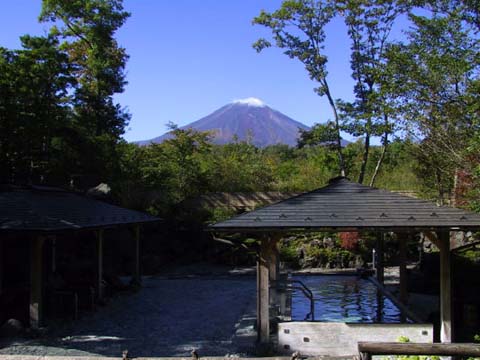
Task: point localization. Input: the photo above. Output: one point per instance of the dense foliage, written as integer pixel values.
(159, 176)
(425, 87)
(58, 118)
(59, 123)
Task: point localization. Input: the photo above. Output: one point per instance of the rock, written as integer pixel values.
(301, 252)
(289, 239)
(11, 328)
(328, 242)
(316, 242)
(359, 262)
(101, 191)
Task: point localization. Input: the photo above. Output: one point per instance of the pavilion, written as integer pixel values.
(40, 215)
(344, 206)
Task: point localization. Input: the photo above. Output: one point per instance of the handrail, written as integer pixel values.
(305, 291)
(302, 285)
(309, 294)
(367, 349)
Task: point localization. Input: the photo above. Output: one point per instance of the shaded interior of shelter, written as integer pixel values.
(69, 272)
(61, 252)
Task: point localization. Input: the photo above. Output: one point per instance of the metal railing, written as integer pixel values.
(289, 284)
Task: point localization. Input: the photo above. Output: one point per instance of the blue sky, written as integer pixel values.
(190, 57)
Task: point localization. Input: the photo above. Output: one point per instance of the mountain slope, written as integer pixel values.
(248, 118)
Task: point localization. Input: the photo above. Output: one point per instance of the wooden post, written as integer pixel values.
(99, 253)
(263, 301)
(1, 266)
(379, 256)
(446, 335)
(36, 282)
(136, 276)
(273, 268)
(402, 247)
(54, 253)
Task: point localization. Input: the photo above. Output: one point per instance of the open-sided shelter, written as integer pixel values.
(39, 214)
(345, 206)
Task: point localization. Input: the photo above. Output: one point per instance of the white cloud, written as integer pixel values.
(251, 101)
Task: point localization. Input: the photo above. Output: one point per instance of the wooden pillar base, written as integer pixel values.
(263, 293)
(446, 331)
(1, 265)
(99, 254)
(136, 274)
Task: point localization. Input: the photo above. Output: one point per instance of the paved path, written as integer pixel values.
(168, 317)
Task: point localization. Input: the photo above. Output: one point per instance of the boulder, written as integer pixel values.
(316, 243)
(101, 191)
(328, 242)
(11, 328)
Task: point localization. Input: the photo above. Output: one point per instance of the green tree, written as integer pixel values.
(319, 134)
(240, 166)
(369, 22)
(88, 28)
(159, 176)
(436, 79)
(34, 84)
(298, 28)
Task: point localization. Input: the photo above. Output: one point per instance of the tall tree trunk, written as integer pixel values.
(440, 192)
(337, 129)
(456, 193)
(366, 152)
(384, 151)
(380, 161)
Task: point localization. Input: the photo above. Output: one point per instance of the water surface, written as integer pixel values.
(341, 298)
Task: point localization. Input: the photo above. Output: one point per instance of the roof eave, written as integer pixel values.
(398, 229)
(79, 227)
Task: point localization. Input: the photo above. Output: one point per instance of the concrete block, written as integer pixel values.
(341, 339)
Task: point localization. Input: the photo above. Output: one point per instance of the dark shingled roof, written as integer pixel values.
(49, 210)
(344, 204)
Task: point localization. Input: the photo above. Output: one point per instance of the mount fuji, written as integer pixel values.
(245, 119)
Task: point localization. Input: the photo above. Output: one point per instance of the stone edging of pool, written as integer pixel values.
(403, 308)
(339, 339)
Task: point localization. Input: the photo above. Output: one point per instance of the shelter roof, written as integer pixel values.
(346, 205)
(47, 209)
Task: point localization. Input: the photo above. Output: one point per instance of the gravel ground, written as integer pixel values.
(167, 317)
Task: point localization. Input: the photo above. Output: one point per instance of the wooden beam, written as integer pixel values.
(274, 257)
(432, 237)
(99, 269)
(274, 268)
(53, 239)
(379, 256)
(1, 265)
(263, 295)
(136, 276)
(402, 247)
(36, 282)
(367, 349)
(446, 314)
(467, 246)
(404, 309)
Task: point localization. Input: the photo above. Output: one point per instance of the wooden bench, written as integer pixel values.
(368, 349)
